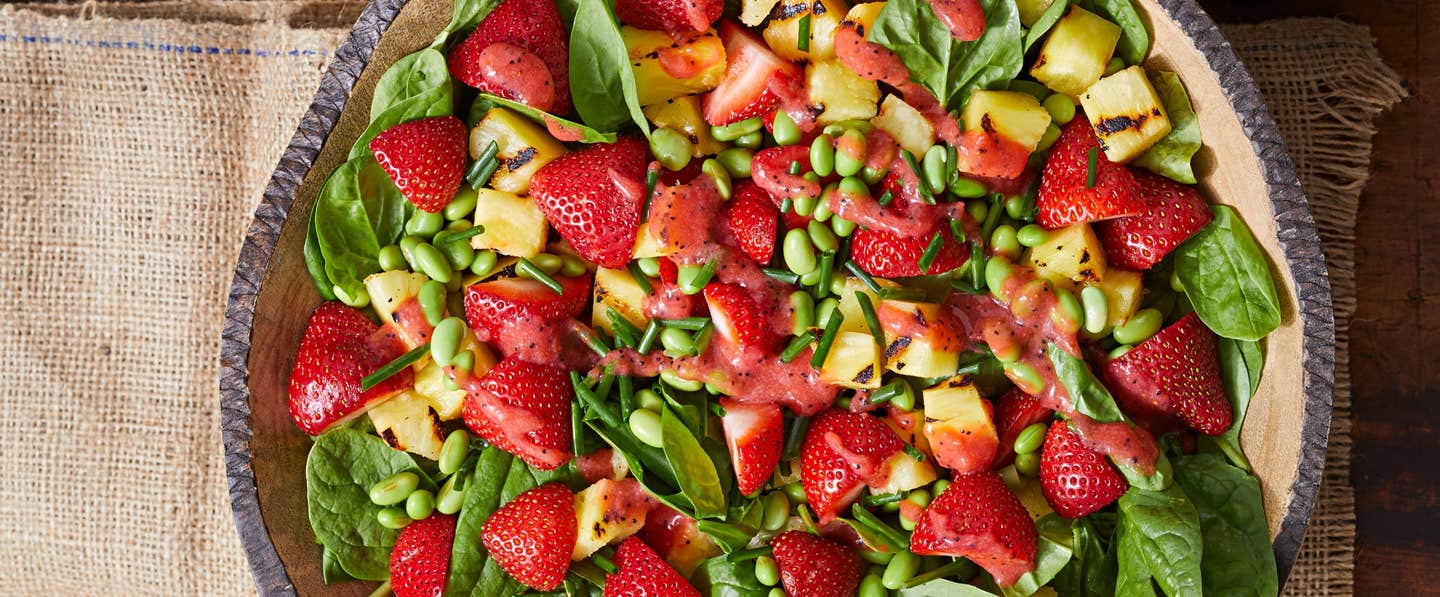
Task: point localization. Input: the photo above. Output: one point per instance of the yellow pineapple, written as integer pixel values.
(1127, 114)
(853, 361)
(683, 115)
(617, 289)
(1123, 290)
(1016, 116)
(514, 225)
(407, 422)
(666, 69)
(911, 129)
(840, 93)
(1069, 255)
(523, 148)
(1076, 52)
(782, 34)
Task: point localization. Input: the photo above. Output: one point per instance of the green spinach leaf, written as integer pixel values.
(600, 70)
(1087, 394)
(498, 477)
(1240, 364)
(952, 69)
(1057, 546)
(417, 86)
(729, 537)
(720, 577)
(357, 204)
(1134, 37)
(1047, 19)
(1132, 574)
(330, 570)
(1227, 278)
(583, 133)
(465, 16)
(943, 588)
(1238, 559)
(1161, 529)
(1170, 157)
(694, 470)
(1091, 570)
(315, 260)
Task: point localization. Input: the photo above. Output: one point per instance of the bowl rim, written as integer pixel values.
(1296, 230)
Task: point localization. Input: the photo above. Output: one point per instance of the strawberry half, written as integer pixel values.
(1173, 212)
(531, 25)
(340, 347)
(643, 574)
(1174, 374)
(592, 197)
(740, 320)
(531, 537)
(755, 434)
(491, 306)
(978, 518)
(420, 560)
(752, 216)
(1065, 199)
(675, 16)
(1014, 411)
(425, 158)
(842, 452)
(752, 71)
(1076, 480)
(814, 567)
(523, 408)
(888, 255)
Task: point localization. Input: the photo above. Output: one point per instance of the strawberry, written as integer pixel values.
(978, 518)
(752, 217)
(888, 255)
(592, 197)
(842, 452)
(675, 16)
(752, 72)
(770, 169)
(739, 319)
(814, 567)
(340, 347)
(425, 158)
(491, 306)
(754, 433)
(1014, 411)
(964, 18)
(1075, 479)
(523, 408)
(1174, 374)
(643, 574)
(530, 25)
(532, 536)
(421, 557)
(1065, 199)
(1173, 212)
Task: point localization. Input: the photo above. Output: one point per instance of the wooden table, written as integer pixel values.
(1393, 347)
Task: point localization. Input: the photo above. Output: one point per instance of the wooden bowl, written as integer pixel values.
(271, 296)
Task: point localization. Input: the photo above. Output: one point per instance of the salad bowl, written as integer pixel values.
(1242, 164)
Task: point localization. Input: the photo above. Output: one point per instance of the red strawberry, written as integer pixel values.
(675, 16)
(978, 518)
(531, 537)
(752, 71)
(842, 452)
(421, 558)
(1173, 212)
(592, 197)
(770, 169)
(524, 409)
(643, 574)
(754, 433)
(1176, 373)
(1014, 411)
(752, 217)
(739, 319)
(1064, 198)
(815, 567)
(531, 25)
(1076, 480)
(491, 307)
(425, 158)
(340, 347)
(889, 255)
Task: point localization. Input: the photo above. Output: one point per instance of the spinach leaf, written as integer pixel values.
(357, 204)
(465, 16)
(1161, 530)
(600, 70)
(720, 577)
(728, 536)
(1057, 546)
(418, 86)
(1227, 278)
(330, 570)
(1156, 481)
(1238, 559)
(943, 588)
(1134, 37)
(1091, 571)
(1047, 19)
(952, 69)
(1240, 365)
(1087, 394)
(1132, 574)
(315, 260)
(694, 470)
(342, 466)
(498, 477)
(647, 464)
(553, 123)
(1170, 157)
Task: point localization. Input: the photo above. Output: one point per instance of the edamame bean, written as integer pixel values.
(359, 300)
(905, 400)
(432, 301)
(454, 451)
(459, 225)
(1027, 464)
(649, 400)
(822, 237)
(900, 569)
(462, 205)
(802, 306)
(1114, 66)
(692, 278)
(394, 489)
(393, 518)
(1139, 328)
(751, 141)
(876, 557)
(1020, 207)
(810, 279)
(392, 258)
(1068, 310)
(1025, 377)
(977, 210)
(777, 511)
(445, 340)
(484, 263)
(670, 148)
(454, 285)
(1096, 307)
(798, 252)
(934, 168)
(424, 224)
(1060, 107)
(873, 175)
(1036, 89)
(822, 155)
(465, 361)
(776, 592)
(795, 491)
(649, 266)
(1121, 351)
(997, 269)
(458, 253)
(851, 152)
(804, 206)
(720, 175)
(842, 227)
(420, 505)
(1032, 235)
(430, 261)
(766, 571)
(1004, 242)
(736, 161)
(1030, 438)
(784, 129)
(824, 309)
(967, 188)
(919, 497)
(677, 341)
(674, 380)
(872, 586)
(835, 129)
(854, 187)
(1048, 138)
(645, 424)
(1176, 283)
(733, 131)
(548, 263)
(449, 501)
(572, 266)
(822, 211)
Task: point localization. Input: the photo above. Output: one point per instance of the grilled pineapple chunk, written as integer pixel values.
(782, 34)
(864, 15)
(840, 93)
(1069, 255)
(853, 362)
(524, 148)
(906, 473)
(607, 512)
(1076, 52)
(647, 245)
(1030, 10)
(616, 289)
(1127, 114)
(1123, 289)
(849, 306)
(514, 225)
(666, 69)
(753, 12)
(959, 425)
(1016, 116)
(407, 422)
(911, 129)
(430, 383)
(924, 353)
(389, 290)
(683, 115)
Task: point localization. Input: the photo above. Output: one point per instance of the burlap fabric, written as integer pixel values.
(135, 151)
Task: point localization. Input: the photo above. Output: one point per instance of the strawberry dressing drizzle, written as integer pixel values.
(877, 63)
(518, 74)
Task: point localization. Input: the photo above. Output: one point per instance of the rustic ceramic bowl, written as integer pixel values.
(1243, 164)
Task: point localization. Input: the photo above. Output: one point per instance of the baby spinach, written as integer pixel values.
(1227, 278)
(600, 70)
(1238, 559)
(1132, 572)
(342, 466)
(1161, 531)
(465, 16)
(1087, 394)
(1134, 37)
(1057, 546)
(721, 577)
(358, 210)
(416, 86)
(949, 68)
(1047, 19)
(1240, 365)
(485, 101)
(730, 537)
(1091, 570)
(943, 588)
(330, 570)
(1170, 157)
(315, 260)
(694, 469)
(498, 477)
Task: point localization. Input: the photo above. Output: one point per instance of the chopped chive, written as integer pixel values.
(827, 270)
(803, 43)
(952, 169)
(914, 452)
(887, 392)
(901, 294)
(483, 167)
(871, 501)
(462, 235)
(695, 283)
(992, 218)
(932, 251)
(647, 340)
(577, 430)
(393, 367)
(794, 437)
(641, 280)
(688, 323)
(524, 266)
(605, 564)
(607, 383)
(652, 178)
(625, 332)
(1091, 164)
(748, 554)
(701, 339)
(803, 511)
(822, 350)
(893, 538)
(864, 276)
(796, 345)
(795, 167)
(920, 186)
(596, 343)
(957, 229)
(871, 319)
(716, 409)
(781, 275)
(977, 260)
(786, 204)
(886, 198)
(593, 402)
(627, 396)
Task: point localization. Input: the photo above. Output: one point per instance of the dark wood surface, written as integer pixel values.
(1393, 347)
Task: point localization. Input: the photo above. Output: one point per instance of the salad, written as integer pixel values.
(779, 297)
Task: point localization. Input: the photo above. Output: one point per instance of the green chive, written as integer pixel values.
(920, 185)
(901, 294)
(652, 177)
(992, 217)
(827, 270)
(462, 235)
(748, 554)
(596, 343)
(796, 436)
(870, 501)
(914, 452)
(701, 339)
(577, 429)
(688, 323)
(822, 350)
(602, 389)
(1091, 163)
(864, 277)
(893, 538)
(627, 396)
(795, 168)
(524, 266)
(605, 564)
(955, 568)
(803, 43)
(871, 319)
(886, 198)
(797, 345)
(957, 229)
(484, 166)
(647, 340)
(977, 262)
(393, 367)
(625, 332)
(641, 280)
(932, 251)
(593, 402)
(782, 275)
(786, 204)
(887, 392)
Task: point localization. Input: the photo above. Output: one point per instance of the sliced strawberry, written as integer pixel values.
(425, 158)
(1075, 479)
(1173, 212)
(670, 532)
(1014, 411)
(340, 347)
(740, 320)
(523, 408)
(643, 574)
(889, 255)
(420, 560)
(675, 16)
(1174, 374)
(755, 434)
(964, 18)
(1065, 198)
(752, 217)
(751, 72)
(988, 154)
(531, 537)
(978, 518)
(530, 25)
(770, 169)
(814, 567)
(842, 452)
(491, 306)
(592, 197)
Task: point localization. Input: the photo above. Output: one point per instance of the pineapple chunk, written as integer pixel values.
(514, 225)
(607, 512)
(1123, 290)
(647, 245)
(753, 12)
(617, 289)
(840, 93)
(960, 426)
(683, 115)
(430, 383)
(849, 305)
(523, 148)
(389, 290)
(1030, 10)
(911, 129)
(1127, 114)
(1016, 116)
(864, 15)
(1076, 52)
(853, 362)
(1069, 255)
(666, 69)
(407, 422)
(782, 34)
(906, 473)
(924, 354)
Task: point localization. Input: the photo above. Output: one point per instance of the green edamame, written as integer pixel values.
(692, 278)
(432, 301)
(649, 266)
(649, 400)
(795, 491)
(842, 227)
(1020, 207)
(674, 380)
(392, 258)
(1114, 66)
(1140, 327)
(1036, 89)
(873, 175)
(445, 340)
(1025, 377)
(997, 270)
(751, 140)
(822, 211)
(919, 497)
(852, 149)
(804, 205)
(430, 261)
(420, 505)
(733, 131)
(645, 424)
(905, 400)
(822, 155)
(967, 188)
(459, 225)
(454, 451)
(1175, 283)
(394, 489)
(720, 175)
(799, 253)
(462, 205)
(359, 300)
(1048, 138)
(822, 237)
(853, 186)
(465, 361)
(879, 558)
(1032, 235)
(777, 511)
(784, 129)
(900, 569)
(670, 148)
(776, 592)
(1068, 309)
(1060, 107)
(933, 166)
(572, 266)
(484, 263)
(872, 586)
(1096, 307)
(766, 571)
(1121, 351)
(940, 486)
(1030, 438)
(810, 279)
(458, 253)
(1027, 464)
(802, 306)
(977, 210)
(548, 263)
(676, 341)
(824, 309)
(1004, 242)
(449, 501)
(736, 161)
(393, 518)
(424, 224)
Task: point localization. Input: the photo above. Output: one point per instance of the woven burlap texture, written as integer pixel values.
(136, 151)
